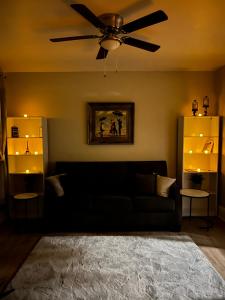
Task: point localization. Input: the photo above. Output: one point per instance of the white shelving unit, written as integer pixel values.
(27, 155)
(198, 154)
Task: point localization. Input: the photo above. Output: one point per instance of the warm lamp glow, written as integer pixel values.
(27, 171)
(190, 151)
(206, 151)
(36, 152)
(110, 43)
(25, 115)
(201, 134)
(27, 135)
(200, 115)
(17, 153)
(198, 170)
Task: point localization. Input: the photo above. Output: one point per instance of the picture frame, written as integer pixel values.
(110, 123)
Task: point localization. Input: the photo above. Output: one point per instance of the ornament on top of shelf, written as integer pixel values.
(194, 107)
(205, 104)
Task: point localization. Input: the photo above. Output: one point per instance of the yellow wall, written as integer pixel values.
(160, 97)
(220, 89)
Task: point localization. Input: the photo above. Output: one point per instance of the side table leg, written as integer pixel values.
(190, 206)
(208, 223)
(208, 209)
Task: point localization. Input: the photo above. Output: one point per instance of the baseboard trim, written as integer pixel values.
(222, 212)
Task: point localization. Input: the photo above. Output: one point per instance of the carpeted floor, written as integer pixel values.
(117, 267)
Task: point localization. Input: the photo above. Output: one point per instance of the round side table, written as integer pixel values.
(192, 193)
(26, 197)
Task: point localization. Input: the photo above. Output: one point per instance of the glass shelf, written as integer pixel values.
(27, 155)
(202, 153)
(201, 171)
(198, 136)
(24, 173)
(24, 137)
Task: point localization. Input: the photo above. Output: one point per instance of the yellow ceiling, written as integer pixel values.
(193, 38)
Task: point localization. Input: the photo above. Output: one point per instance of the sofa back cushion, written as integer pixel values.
(116, 178)
(145, 184)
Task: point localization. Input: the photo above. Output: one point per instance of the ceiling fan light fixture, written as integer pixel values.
(110, 43)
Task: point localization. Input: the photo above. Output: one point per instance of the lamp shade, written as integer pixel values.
(110, 43)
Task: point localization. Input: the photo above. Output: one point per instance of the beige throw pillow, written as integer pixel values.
(54, 180)
(163, 185)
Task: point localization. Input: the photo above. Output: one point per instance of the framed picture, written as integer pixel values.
(110, 123)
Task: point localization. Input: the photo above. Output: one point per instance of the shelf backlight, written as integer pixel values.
(25, 115)
(26, 135)
(190, 151)
(201, 134)
(27, 171)
(17, 153)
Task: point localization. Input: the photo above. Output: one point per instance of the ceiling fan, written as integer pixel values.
(111, 27)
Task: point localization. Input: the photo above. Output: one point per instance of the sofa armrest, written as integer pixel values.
(174, 192)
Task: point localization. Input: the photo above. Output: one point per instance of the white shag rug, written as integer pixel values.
(117, 267)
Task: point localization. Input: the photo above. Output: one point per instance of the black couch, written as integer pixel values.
(112, 196)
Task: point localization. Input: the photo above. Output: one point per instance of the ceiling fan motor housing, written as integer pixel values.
(113, 22)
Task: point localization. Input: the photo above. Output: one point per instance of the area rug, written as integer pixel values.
(117, 267)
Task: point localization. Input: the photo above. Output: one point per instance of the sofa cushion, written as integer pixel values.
(109, 203)
(54, 180)
(153, 204)
(79, 202)
(145, 184)
(163, 185)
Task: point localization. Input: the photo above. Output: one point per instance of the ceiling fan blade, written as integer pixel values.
(88, 15)
(74, 38)
(102, 53)
(140, 44)
(151, 19)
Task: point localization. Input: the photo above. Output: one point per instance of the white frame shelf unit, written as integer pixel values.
(27, 157)
(198, 155)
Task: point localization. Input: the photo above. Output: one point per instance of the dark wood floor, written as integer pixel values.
(15, 246)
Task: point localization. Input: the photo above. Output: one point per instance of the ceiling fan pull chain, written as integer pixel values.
(116, 62)
(104, 61)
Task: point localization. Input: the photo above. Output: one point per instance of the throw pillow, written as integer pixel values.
(145, 184)
(54, 181)
(163, 185)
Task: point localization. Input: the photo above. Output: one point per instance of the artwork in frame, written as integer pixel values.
(110, 123)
